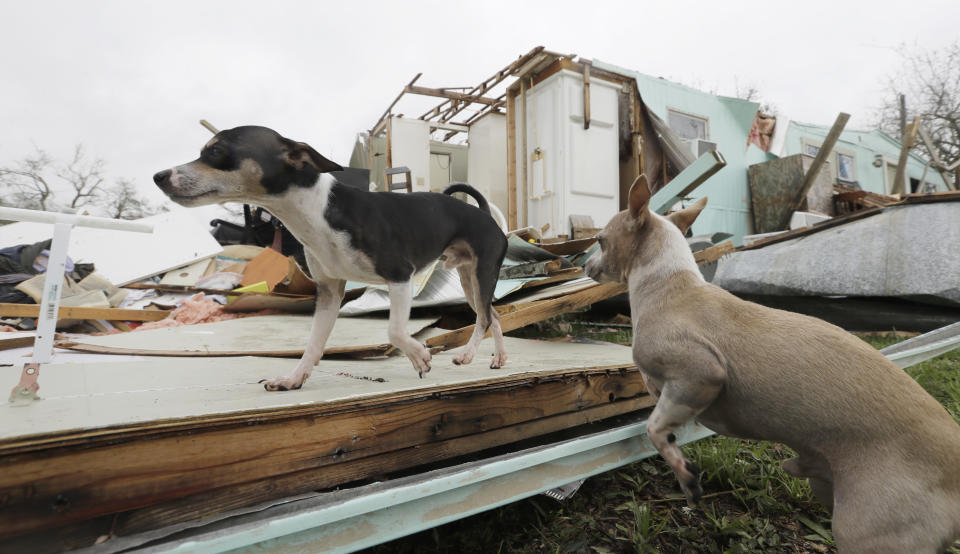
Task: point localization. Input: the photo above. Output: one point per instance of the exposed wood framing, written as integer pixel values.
(445, 93)
(511, 160)
(162, 472)
(825, 150)
(524, 156)
(378, 126)
(448, 110)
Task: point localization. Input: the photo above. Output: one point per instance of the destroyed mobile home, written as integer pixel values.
(152, 425)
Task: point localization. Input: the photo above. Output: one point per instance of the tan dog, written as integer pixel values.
(875, 446)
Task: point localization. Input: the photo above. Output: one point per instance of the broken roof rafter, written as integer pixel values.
(456, 102)
(512, 69)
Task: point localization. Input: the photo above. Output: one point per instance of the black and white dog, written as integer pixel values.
(351, 234)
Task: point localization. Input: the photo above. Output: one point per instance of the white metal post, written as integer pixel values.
(26, 390)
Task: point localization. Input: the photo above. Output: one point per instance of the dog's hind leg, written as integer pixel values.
(680, 401)
(480, 300)
(401, 296)
(814, 468)
(329, 295)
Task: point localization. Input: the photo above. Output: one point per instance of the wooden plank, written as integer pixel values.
(511, 160)
(560, 275)
(816, 228)
(909, 137)
(586, 95)
(947, 196)
(109, 474)
(444, 93)
(538, 312)
(822, 155)
(377, 127)
(18, 339)
(189, 289)
(317, 479)
(937, 162)
(79, 312)
(205, 505)
(524, 154)
(713, 253)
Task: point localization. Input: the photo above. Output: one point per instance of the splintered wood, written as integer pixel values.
(130, 446)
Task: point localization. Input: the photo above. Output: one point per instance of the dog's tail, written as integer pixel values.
(472, 192)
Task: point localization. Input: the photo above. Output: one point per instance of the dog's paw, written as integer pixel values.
(499, 360)
(420, 359)
(282, 384)
(691, 483)
(463, 358)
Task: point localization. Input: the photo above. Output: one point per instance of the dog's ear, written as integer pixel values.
(684, 218)
(299, 154)
(639, 196)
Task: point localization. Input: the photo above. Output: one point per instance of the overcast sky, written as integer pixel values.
(130, 79)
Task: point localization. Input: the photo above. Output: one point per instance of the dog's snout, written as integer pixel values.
(162, 178)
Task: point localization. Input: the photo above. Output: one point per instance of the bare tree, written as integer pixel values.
(84, 176)
(37, 181)
(930, 81)
(121, 201)
(23, 185)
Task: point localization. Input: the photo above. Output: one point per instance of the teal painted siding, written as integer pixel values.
(865, 145)
(729, 122)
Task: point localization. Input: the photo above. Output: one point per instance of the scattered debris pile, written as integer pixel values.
(235, 280)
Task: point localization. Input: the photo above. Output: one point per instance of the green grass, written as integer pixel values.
(750, 504)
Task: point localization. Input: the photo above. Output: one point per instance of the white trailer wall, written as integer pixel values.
(570, 170)
(410, 146)
(487, 158)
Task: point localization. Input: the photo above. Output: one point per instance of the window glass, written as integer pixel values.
(845, 169)
(810, 149)
(687, 126)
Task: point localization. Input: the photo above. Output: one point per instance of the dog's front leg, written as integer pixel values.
(329, 296)
(401, 296)
(680, 401)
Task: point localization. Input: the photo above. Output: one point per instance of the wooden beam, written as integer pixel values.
(586, 95)
(253, 493)
(713, 253)
(909, 137)
(825, 149)
(85, 475)
(67, 312)
(937, 162)
(524, 155)
(815, 228)
(533, 314)
(444, 93)
(206, 125)
(376, 127)
(511, 161)
(482, 88)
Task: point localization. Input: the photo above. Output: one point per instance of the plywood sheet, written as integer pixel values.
(260, 335)
(179, 238)
(85, 396)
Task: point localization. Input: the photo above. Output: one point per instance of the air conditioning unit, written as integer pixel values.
(699, 147)
(704, 146)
